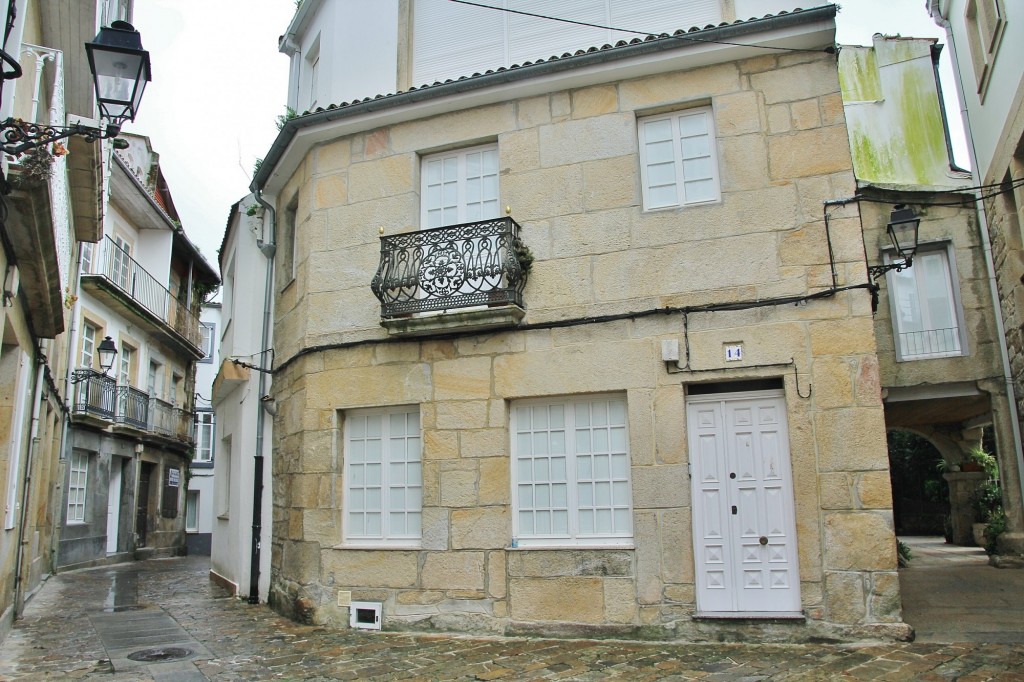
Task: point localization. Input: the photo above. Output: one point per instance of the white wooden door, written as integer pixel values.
(744, 524)
(113, 504)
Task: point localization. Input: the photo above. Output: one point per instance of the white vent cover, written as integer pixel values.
(365, 615)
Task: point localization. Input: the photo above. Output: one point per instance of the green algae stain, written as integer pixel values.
(921, 126)
(858, 75)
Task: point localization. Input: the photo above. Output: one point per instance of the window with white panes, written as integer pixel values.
(925, 308)
(383, 475)
(89, 334)
(570, 473)
(678, 159)
(204, 439)
(122, 263)
(460, 187)
(86, 257)
(78, 484)
(192, 511)
(207, 331)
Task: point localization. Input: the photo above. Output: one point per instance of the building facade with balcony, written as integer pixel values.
(200, 502)
(557, 343)
(53, 201)
(133, 431)
(986, 38)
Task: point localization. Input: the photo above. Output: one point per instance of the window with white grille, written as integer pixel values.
(78, 484)
(460, 187)
(383, 476)
(204, 437)
(678, 159)
(570, 473)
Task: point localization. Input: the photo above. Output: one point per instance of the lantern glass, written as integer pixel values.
(107, 349)
(120, 69)
(903, 231)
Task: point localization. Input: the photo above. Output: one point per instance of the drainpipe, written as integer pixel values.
(268, 249)
(37, 395)
(990, 271)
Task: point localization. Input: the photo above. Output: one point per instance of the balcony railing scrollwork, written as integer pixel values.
(450, 268)
(99, 396)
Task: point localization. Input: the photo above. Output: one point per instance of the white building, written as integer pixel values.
(242, 468)
(199, 502)
(986, 38)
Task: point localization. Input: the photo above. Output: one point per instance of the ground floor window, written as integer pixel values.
(570, 472)
(78, 484)
(383, 476)
(192, 511)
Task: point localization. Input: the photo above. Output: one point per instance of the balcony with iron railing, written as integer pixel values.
(468, 276)
(117, 277)
(98, 398)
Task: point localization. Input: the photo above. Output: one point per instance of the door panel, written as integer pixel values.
(744, 521)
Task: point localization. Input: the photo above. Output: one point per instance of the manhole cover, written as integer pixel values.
(119, 609)
(159, 654)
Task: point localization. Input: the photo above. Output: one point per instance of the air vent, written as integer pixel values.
(365, 615)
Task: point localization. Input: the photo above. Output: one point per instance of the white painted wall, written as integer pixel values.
(236, 409)
(986, 119)
(358, 48)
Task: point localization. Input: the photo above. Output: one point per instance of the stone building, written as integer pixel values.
(986, 38)
(939, 349)
(580, 346)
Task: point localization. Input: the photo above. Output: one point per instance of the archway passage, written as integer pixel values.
(920, 495)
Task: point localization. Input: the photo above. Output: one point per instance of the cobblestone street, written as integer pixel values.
(70, 627)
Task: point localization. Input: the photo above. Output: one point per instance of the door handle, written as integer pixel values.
(763, 540)
(734, 510)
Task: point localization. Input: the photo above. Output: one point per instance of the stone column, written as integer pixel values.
(961, 485)
(1012, 541)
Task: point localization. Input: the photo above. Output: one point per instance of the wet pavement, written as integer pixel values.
(88, 624)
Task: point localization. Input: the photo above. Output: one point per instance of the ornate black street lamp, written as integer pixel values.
(902, 230)
(108, 351)
(120, 70)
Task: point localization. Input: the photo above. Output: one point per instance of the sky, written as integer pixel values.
(219, 82)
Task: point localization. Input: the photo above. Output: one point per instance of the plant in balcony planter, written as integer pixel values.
(524, 255)
(36, 166)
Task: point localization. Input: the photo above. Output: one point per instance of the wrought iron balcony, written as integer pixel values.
(98, 396)
(118, 272)
(451, 268)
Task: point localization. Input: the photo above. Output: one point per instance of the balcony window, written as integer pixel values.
(926, 309)
(204, 437)
(89, 333)
(460, 187)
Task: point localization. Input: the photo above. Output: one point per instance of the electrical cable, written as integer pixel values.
(829, 50)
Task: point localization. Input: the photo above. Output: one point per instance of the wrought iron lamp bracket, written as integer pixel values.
(80, 375)
(20, 136)
(876, 271)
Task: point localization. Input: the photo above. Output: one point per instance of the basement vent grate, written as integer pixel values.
(365, 615)
(160, 654)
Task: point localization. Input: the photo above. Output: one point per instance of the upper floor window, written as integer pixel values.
(122, 263)
(383, 477)
(678, 159)
(204, 440)
(925, 308)
(570, 473)
(88, 345)
(460, 187)
(207, 331)
(86, 257)
(984, 20)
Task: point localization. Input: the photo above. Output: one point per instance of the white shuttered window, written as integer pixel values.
(678, 159)
(78, 483)
(460, 187)
(570, 473)
(383, 477)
